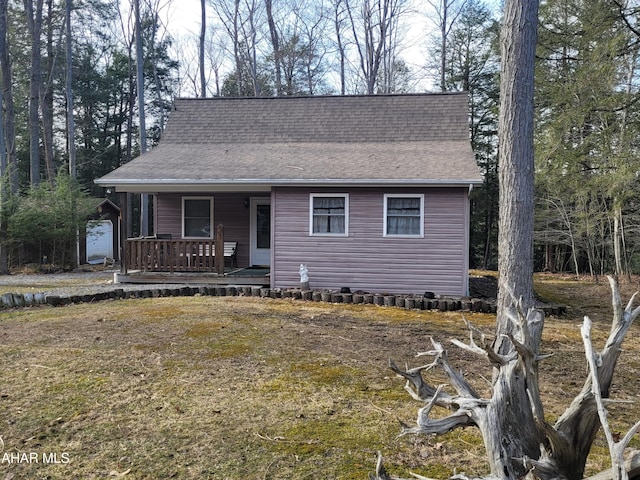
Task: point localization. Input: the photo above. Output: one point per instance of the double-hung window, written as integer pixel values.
(197, 217)
(404, 215)
(329, 214)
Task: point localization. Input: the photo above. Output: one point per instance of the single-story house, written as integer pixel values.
(368, 192)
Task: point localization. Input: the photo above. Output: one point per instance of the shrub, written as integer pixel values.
(44, 222)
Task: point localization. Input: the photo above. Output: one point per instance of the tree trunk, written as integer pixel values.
(154, 67)
(140, 79)
(251, 38)
(46, 98)
(275, 44)
(443, 46)
(144, 198)
(236, 47)
(7, 95)
(71, 128)
(4, 193)
(372, 42)
(8, 170)
(516, 168)
(341, 48)
(131, 101)
(203, 33)
(617, 237)
(34, 22)
(515, 249)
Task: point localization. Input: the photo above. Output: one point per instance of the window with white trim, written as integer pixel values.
(329, 214)
(404, 215)
(197, 217)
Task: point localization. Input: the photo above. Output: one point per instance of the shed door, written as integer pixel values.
(260, 231)
(99, 241)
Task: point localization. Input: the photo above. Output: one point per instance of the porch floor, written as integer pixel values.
(232, 276)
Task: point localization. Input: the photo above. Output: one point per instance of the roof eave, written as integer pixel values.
(241, 185)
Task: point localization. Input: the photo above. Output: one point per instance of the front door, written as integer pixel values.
(260, 231)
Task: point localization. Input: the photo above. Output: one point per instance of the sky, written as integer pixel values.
(184, 15)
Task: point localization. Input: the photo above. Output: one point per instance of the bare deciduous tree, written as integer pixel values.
(339, 12)
(314, 24)
(201, 50)
(242, 20)
(374, 24)
(446, 13)
(215, 54)
(275, 44)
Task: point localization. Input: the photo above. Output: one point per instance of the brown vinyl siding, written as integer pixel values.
(228, 209)
(366, 260)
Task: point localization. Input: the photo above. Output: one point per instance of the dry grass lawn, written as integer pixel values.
(245, 388)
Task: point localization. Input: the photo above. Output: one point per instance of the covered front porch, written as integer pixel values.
(206, 238)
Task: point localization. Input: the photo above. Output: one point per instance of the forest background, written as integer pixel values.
(74, 75)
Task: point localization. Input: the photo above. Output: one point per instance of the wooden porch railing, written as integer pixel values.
(154, 255)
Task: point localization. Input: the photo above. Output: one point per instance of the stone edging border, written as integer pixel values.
(16, 300)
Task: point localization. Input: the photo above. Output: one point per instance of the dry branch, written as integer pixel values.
(632, 466)
(518, 441)
(484, 351)
(618, 469)
(463, 388)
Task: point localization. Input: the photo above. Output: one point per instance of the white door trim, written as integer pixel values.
(258, 256)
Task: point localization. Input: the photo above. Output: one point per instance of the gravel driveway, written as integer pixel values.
(72, 283)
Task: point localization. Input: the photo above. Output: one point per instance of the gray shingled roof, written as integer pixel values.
(250, 142)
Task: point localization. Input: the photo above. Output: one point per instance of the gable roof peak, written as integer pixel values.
(309, 119)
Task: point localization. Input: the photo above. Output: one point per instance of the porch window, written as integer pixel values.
(404, 215)
(197, 217)
(329, 214)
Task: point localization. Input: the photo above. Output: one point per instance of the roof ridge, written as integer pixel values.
(291, 97)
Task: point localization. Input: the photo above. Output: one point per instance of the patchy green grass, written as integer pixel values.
(245, 388)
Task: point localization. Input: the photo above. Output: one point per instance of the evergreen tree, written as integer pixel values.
(586, 149)
(44, 222)
(472, 66)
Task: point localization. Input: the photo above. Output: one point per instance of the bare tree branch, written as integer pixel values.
(616, 449)
(463, 388)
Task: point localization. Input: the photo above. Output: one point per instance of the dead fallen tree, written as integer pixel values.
(535, 449)
(632, 467)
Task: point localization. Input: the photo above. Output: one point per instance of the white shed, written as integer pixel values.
(99, 241)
